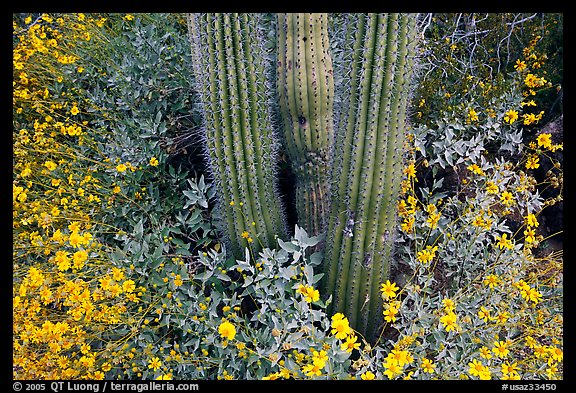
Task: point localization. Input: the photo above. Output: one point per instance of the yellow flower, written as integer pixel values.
(74, 111)
(475, 368)
(544, 140)
(227, 330)
(485, 374)
(87, 361)
(532, 295)
(511, 116)
(392, 369)
(310, 294)
(551, 371)
(117, 274)
(485, 353)
(98, 375)
(507, 198)
(500, 349)
(556, 353)
(390, 314)
(46, 295)
(530, 342)
(311, 370)
(472, 115)
(449, 304)
(319, 358)
(74, 226)
(62, 260)
(79, 258)
(432, 220)
(428, 366)
(340, 326)
(272, 377)
(408, 224)
(26, 172)
(427, 255)
(491, 281)
(75, 239)
(449, 321)
(504, 242)
(121, 168)
(367, 376)
(484, 314)
(410, 171)
(50, 165)
(520, 65)
(389, 289)
(533, 81)
(540, 351)
(245, 234)
(491, 188)
(399, 357)
(508, 368)
(531, 220)
(155, 363)
(475, 169)
(350, 343)
(36, 277)
(128, 286)
(154, 161)
(532, 162)
(402, 208)
(530, 235)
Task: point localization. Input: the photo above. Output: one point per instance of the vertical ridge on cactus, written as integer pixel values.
(229, 69)
(306, 94)
(367, 164)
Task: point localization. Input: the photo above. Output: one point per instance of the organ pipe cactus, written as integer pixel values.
(229, 66)
(306, 97)
(348, 165)
(377, 66)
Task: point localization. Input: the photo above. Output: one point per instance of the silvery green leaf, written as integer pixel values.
(288, 246)
(448, 156)
(297, 256)
(317, 278)
(316, 258)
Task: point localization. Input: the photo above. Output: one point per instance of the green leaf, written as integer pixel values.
(158, 251)
(139, 229)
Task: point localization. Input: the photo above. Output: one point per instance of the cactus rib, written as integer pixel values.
(238, 130)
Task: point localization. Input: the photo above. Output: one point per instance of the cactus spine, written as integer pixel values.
(306, 96)
(378, 54)
(229, 66)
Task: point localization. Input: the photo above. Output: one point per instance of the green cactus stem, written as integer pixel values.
(377, 66)
(305, 85)
(229, 66)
